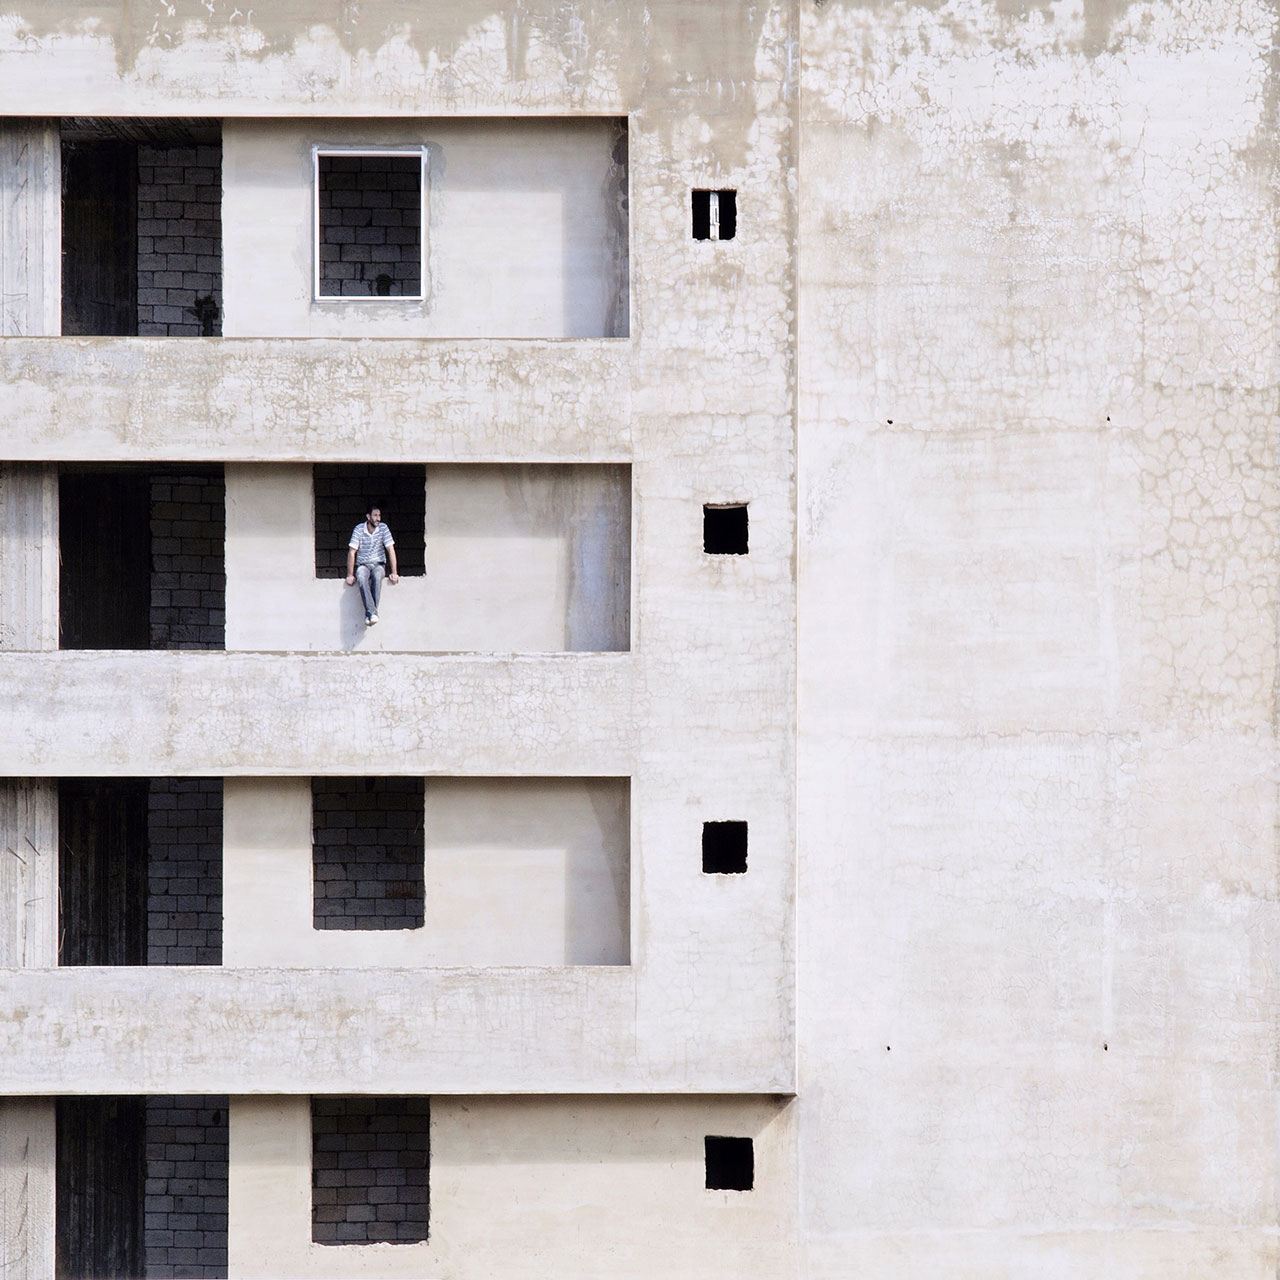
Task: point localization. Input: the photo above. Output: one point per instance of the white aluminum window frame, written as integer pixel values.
(408, 153)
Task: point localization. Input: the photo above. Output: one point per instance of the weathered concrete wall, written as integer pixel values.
(517, 559)
(1038, 500)
(604, 1186)
(518, 871)
(523, 236)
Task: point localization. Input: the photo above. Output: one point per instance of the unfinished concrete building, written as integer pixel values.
(808, 807)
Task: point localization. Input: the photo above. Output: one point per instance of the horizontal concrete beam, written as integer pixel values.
(387, 1031)
(315, 400)
(121, 713)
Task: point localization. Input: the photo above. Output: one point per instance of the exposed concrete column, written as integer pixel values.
(30, 227)
(28, 939)
(27, 1163)
(28, 873)
(29, 553)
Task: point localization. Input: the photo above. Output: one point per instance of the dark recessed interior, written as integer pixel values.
(730, 1164)
(724, 530)
(724, 848)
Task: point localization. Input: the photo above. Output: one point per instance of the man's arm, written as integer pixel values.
(351, 566)
(391, 551)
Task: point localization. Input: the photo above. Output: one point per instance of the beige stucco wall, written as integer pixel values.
(526, 233)
(525, 1186)
(518, 871)
(518, 559)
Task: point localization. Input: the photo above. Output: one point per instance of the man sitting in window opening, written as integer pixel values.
(371, 543)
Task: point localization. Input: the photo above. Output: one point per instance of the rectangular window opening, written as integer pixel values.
(343, 494)
(142, 553)
(731, 1164)
(141, 1187)
(369, 218)
(141, 227)
(370, 1170)
(715, 214)
(367, 853)
(139, 871)
(724, 530)
(724, 848)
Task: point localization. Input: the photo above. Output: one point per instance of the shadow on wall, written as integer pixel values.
(351, 622)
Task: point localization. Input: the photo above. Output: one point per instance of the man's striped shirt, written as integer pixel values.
(369, 546)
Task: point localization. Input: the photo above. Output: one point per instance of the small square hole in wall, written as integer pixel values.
(724, 848)
(724, 530)
(731, 1164)
(715, 215)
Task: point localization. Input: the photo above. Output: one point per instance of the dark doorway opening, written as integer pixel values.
(141, 227)
(141, 1188)
(142, 557)
(139, 871)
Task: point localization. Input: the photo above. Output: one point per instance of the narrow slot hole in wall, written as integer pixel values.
(731, 1164)
(715, 214)
(369, 216)
(370, 1170)
(141, 227)
(343, 494)
(141, 1187)
(724, 530)
(367, 853)
(139, 871)
(724, 848)
(142, 557)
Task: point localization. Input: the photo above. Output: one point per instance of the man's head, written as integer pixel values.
(373, 517)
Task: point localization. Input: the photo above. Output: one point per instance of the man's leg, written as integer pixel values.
(375, 585)
(366, 593)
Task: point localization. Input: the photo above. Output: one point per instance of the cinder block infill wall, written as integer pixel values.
(370, 226)
(184, 871)
(370, 1161)
(188, 561)
(179, 241)
(367, 853)
(185, 1206)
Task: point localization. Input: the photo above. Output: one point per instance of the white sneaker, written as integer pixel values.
(369, 621)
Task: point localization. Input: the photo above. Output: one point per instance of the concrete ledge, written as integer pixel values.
(243, 1031)
(316, 399)
(125, 713)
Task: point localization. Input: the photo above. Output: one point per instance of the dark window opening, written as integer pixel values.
(141, 227)
(344, 492)
(724, 848)
(367, 853)
(370, 1170)
(731, 1164)
(141, 1187)
(139, 871)
(724, 530)
(370, 225)
(715, 215)
(142, 555)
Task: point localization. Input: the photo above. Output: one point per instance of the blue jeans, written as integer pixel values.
(369, 580)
